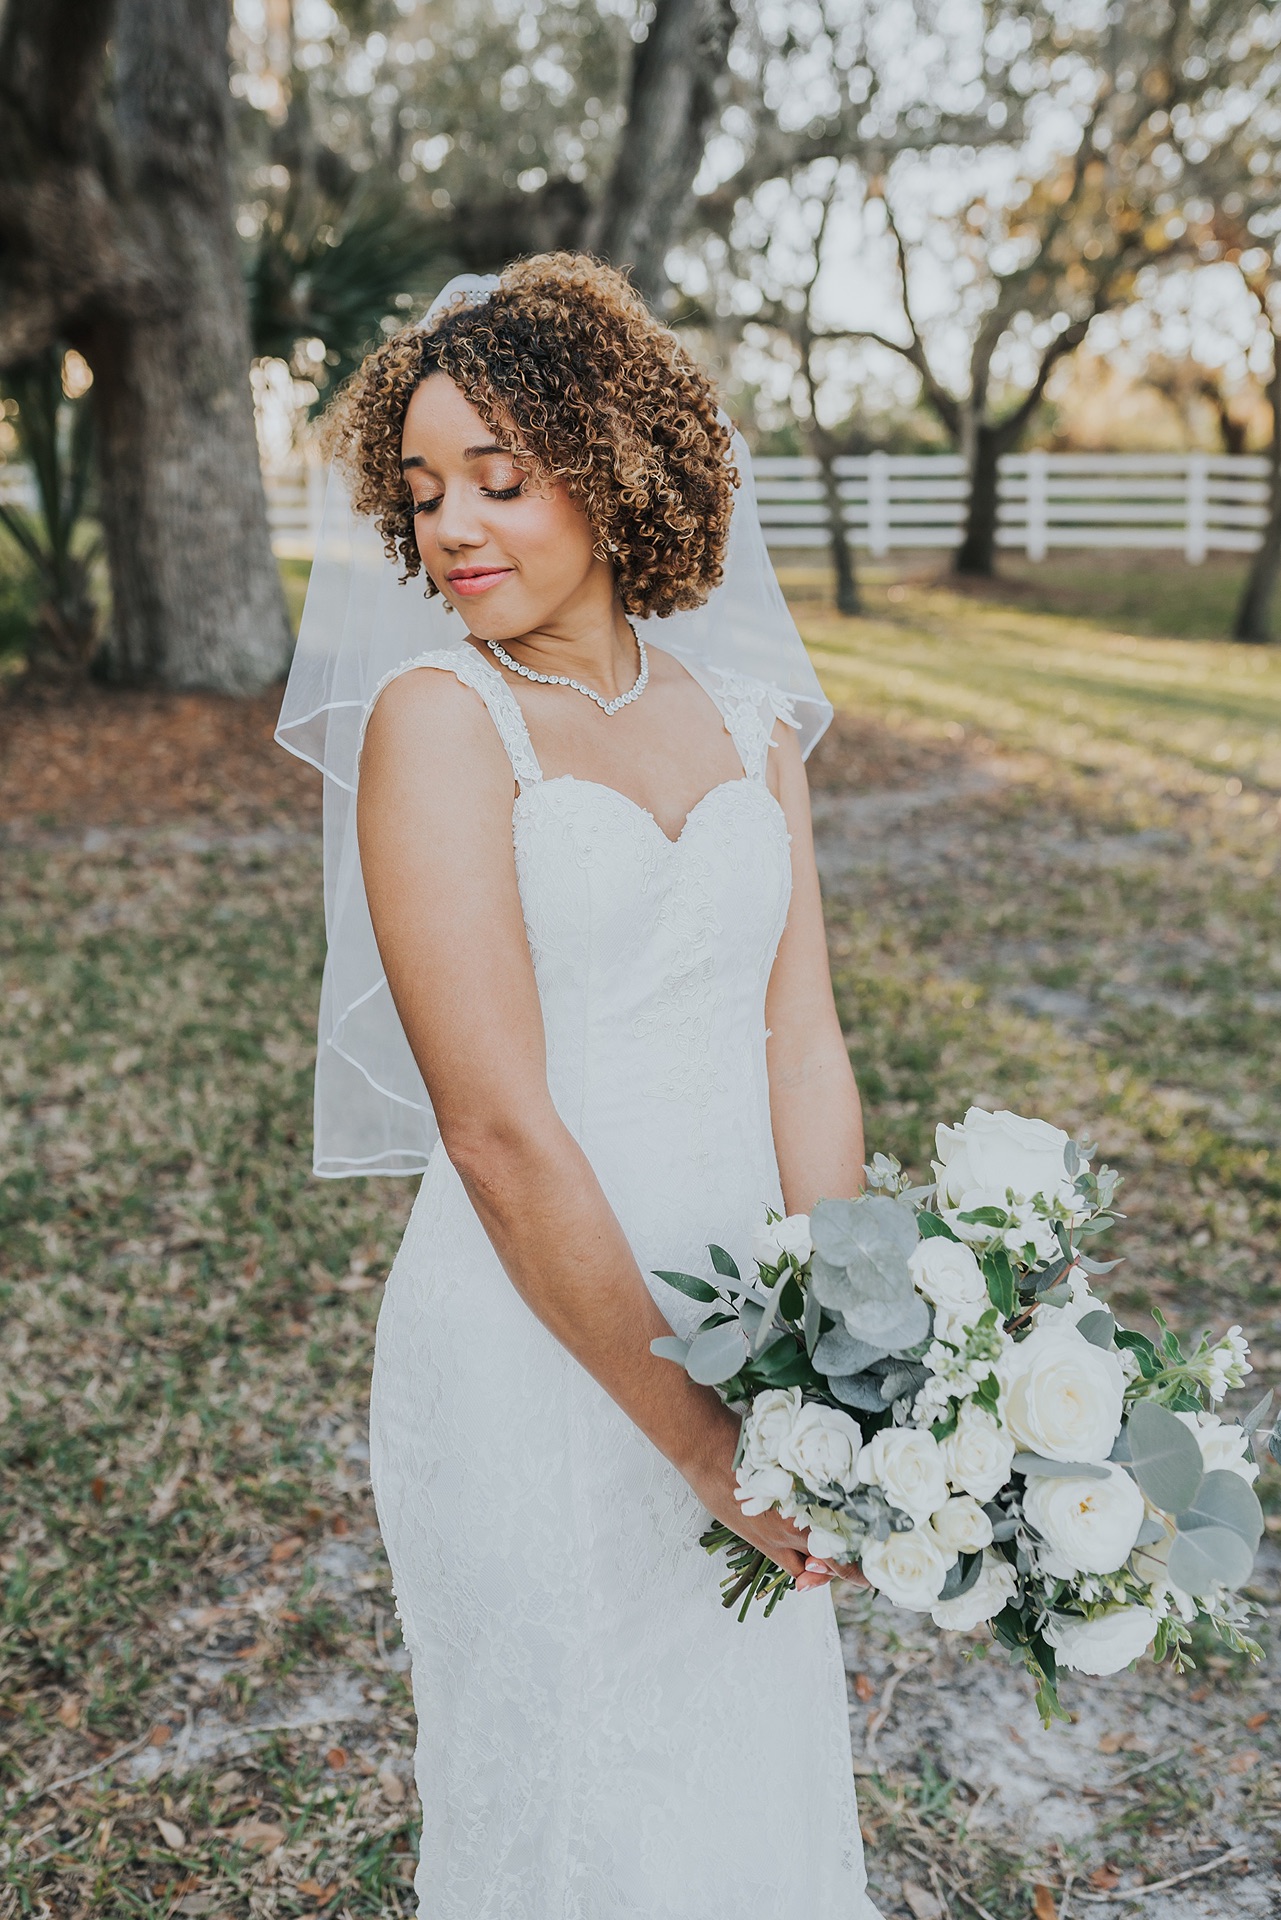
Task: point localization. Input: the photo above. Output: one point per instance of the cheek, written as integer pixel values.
(550, 537)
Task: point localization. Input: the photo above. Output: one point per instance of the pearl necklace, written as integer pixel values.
(634, 692)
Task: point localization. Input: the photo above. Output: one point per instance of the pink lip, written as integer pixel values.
(477, 579)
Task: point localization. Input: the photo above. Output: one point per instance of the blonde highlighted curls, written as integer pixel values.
(564, 355)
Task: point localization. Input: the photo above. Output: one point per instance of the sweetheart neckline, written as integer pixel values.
(602, 786)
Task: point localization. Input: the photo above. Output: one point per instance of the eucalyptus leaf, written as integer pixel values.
(1224, 1499)
(1165, 1457)
(861, 1390)
(871, 1237)
(1095, 1266)
(716, 1355)
(892, 1324)
(1056, 1296)
(1034, 1467)
(688, 1283)
(1121, 1449)
(839, 1352)
(1206, 1556)
(1258, 1413)
(1274, 1442)
(1151, 1531)
(901, 1379)
(1098, 1327)
(961, 1576)
(670, 1347)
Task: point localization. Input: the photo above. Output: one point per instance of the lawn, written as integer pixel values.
(1051, 846)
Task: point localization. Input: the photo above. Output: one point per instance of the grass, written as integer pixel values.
(1089, 928)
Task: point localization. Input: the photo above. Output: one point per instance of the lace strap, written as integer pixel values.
(750, 708)
(504, 708)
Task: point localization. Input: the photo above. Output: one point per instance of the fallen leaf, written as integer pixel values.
(1104, 1878)
(1243, 1761)
(1126, 1741)
(69, 1711)
(98, 1488)
(158, 1735)
(317, 1890)
(1044, 1905)
(393, 1787)
(171, 1835)
(924, 1906)
(259, 1835)
(864, 1686)
(1258, 1720)
(227, 1782)
(340, 1524)
(285, 1549)
(336, 1757)
(287, 1613)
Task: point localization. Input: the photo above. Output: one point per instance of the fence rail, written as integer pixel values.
(1190, 503)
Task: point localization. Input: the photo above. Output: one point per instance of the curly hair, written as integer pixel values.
(564, 354)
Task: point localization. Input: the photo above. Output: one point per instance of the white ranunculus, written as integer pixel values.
(777, 1237)
(1224, 1445)
(1090, 1526)
(906, 1463)
(996, 1585)
(908, 1568)
(1105, 1644)
(1062, 1396)
(961, 1525)
(822, 1448)
(993, 1153)
(977, 1454)
(768, 1424)
(760, 1489)
(948, 1274)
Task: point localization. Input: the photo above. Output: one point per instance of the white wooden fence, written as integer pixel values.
(1193, 504)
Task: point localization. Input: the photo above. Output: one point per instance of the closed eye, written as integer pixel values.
(503, 493)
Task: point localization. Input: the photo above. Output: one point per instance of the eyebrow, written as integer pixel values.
(469, 453)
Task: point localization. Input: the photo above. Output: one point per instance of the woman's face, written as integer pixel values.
(512, 552)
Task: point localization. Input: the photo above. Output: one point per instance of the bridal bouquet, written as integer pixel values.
(929, 1386)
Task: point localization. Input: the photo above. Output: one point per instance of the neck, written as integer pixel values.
(592, 644)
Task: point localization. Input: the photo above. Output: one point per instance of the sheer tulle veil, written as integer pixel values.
(372, 1113)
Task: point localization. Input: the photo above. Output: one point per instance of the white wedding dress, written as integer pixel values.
(598, 1738)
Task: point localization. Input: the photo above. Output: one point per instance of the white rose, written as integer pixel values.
(768, 1425)
(1089, 1525)
(761, 1489)
(1063, 1397)
(948, 1274)
(822, 1447)
(977, 1454)
(906, 1463)
(1224, 1445)
(991, 1153)
(996, 1585)
(908, 1568)
(961, 1525)
(1105, 1644)
(777, 1237)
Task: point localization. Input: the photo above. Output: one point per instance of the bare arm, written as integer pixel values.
(434, 817)
(814, 1102)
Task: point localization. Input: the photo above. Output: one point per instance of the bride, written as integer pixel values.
(575, 927)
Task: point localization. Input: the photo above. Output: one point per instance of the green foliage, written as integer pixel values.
(51, 547)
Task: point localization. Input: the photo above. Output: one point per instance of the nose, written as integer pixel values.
(455, 525)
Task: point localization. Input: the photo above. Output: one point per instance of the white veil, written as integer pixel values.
(372, 1113)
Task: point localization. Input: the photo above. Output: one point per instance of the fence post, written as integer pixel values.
(1034, 533)
(1194, 530)
(878, 505)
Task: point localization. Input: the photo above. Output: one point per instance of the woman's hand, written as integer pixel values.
(715, 1483)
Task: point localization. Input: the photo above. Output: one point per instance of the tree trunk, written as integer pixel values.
(1254, 613)
(848, 598)
(977, 551)
(117, 234)
(674, 86)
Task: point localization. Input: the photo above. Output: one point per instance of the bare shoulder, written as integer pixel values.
(785, 767)
(428, 724)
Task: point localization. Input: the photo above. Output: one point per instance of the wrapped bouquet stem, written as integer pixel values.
(928, 1385)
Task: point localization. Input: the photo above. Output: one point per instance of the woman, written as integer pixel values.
(588, 867)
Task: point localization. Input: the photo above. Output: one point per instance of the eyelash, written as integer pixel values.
(490, 493)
